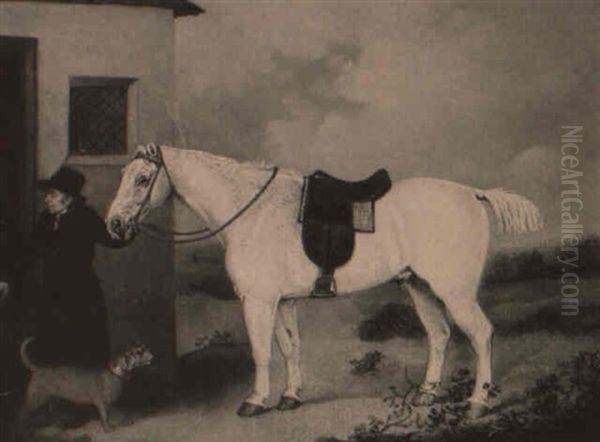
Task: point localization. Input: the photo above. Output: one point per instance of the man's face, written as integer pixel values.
(56, 201)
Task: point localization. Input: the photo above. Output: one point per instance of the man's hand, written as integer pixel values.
(4, 290)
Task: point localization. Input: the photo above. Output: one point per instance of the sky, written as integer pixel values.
(473, 92)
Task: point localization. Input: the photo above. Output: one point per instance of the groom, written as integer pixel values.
(72, 319)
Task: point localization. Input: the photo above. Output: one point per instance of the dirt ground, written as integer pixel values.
(529, 343)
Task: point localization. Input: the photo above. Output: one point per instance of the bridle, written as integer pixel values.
(154, 155)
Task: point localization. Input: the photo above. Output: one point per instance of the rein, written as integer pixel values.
(155, 232)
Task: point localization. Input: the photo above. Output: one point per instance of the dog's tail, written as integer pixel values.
(25, 357)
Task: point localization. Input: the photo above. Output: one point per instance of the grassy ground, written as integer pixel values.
(531, 340)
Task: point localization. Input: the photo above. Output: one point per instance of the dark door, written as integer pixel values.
(17, 152)
(17, 141)
(17, 210)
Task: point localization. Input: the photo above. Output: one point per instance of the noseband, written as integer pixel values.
(153, 154)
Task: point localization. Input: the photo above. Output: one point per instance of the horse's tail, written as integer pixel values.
(25, 357)
(514, 213)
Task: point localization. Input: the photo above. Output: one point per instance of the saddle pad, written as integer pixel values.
(363, 216)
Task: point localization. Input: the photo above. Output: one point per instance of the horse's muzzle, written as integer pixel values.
(116, 228)
(121, 230)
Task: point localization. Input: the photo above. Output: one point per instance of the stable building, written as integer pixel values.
(84, 82)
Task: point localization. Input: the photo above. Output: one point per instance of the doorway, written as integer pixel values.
(17, 209)
(17, 137)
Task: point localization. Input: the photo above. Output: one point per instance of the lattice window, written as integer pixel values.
(98, 116)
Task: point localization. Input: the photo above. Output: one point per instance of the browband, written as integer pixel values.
(151, 153)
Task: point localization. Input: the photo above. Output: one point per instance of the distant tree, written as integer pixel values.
(533, 267)
(589, 256)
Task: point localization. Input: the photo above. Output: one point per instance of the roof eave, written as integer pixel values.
(187, 8)
(180, 8)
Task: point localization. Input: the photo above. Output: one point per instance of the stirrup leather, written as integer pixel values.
(325, 287)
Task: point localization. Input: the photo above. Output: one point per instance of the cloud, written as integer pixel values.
(536, 172)
(296, 89)
(474, 92)
(536, 164)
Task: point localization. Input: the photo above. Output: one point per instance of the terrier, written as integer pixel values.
(99, 387)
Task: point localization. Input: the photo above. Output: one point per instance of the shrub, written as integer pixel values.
(217, 338)
(367, 364)
(391, 320)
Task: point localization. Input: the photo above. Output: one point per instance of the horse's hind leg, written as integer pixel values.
(288, 339)
(259, 316)
(466, 312)
(431, 312)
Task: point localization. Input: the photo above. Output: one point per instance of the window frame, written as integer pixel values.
(130, 84)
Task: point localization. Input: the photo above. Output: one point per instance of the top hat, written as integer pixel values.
(66, 180)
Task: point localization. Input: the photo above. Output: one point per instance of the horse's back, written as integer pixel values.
(433, 196)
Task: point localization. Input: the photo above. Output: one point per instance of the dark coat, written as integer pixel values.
(72, 316)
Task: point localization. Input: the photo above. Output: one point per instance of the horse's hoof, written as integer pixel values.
(288, 403)
(250, 410)
(477, 410)
(424, 399)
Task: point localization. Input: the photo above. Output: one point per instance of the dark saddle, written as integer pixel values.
(332, 210)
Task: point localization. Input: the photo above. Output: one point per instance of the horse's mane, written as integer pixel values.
(231, 167)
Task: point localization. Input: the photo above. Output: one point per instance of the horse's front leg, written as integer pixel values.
(259, 316)
(288, 338)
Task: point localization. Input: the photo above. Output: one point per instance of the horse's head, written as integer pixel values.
(144, 185)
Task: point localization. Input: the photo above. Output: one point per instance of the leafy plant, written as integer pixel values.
(556, 407)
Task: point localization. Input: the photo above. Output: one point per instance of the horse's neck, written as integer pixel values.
(214, 187)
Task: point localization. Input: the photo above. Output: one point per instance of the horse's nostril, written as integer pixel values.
(131, 226)
(116, 226)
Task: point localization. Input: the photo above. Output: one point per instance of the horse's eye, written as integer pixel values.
(142, 180)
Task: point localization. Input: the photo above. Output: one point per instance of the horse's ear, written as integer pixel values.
(140, 149)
